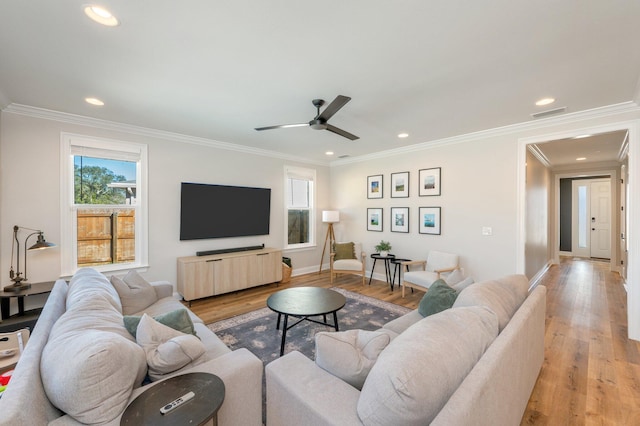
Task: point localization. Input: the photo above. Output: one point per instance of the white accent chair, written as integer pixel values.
(348, 266)
(435, 267)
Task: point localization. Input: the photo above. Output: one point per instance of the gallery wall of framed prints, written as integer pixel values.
(429, 217)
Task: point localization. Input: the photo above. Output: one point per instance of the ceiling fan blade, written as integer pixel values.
(282, 126)
(341, 132)
(333, 107)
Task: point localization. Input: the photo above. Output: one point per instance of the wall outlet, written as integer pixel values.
(486, 230)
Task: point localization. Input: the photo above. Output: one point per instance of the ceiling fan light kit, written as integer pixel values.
(320, 120)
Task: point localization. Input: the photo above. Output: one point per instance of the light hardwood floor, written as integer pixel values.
(591, 371)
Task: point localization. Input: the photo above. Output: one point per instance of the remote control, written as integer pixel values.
(178, 402)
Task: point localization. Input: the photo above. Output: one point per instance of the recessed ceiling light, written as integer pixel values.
(101, 15)
(94, 101)
(581, 158)
(403, 135)
(329, 153)
(545, 101)
(582, 136)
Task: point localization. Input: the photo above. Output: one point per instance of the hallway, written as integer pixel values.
(591, 371)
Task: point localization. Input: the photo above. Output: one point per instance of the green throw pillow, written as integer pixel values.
(438, 298)
(343, 251)
(178, 320)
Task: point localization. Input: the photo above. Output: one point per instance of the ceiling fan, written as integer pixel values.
(320, 120)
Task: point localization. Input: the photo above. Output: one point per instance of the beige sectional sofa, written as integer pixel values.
(82, 366)
(473, 364)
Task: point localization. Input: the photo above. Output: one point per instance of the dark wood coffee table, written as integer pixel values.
(209, 395)
(305, 302)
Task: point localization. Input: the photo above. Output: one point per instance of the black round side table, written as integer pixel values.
(387, 266)
(204, 406)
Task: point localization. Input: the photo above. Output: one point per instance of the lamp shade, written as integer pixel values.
(41, 243)
(330, 216)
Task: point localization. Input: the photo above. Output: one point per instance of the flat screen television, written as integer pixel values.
(219, 211)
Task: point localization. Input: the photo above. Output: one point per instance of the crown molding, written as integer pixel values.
(539, 124)
(536, 152)
(47, 114)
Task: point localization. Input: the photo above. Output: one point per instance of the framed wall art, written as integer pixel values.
(399, 219)
(374, 186)
(429, 181)
(374, 220)
(400, 185)
(429, 220)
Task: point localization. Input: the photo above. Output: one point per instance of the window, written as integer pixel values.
(299, 207)
(104, 211)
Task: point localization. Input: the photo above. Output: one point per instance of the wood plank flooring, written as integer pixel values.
(591, 371)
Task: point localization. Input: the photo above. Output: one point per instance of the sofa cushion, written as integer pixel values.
(344, 251)
(166, 304)
(177, 319)
(399, 325)
(421, 278)
(91, 363)
(351, 354)
(134, 291)
(503, 296)
(439, 297)
(166, 349)
(421, 368)
(90, 374)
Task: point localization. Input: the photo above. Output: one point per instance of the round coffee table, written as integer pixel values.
(305, 302)
(209, 394)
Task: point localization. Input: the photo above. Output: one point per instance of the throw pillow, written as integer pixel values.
(462, 284)
(455, 277)
(166, 349)
(350, 355)
(134, 291)
(438, 298)
(344, 251)
(178, 319)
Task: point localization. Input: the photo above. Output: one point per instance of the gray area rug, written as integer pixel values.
(257, 331)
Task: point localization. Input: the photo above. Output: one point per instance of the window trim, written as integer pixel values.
(68, 209)
(310, 175)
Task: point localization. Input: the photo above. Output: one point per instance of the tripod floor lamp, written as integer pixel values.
(16, 276)
(330, 217)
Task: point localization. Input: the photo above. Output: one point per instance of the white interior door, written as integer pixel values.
(601, 218)
(591, 222)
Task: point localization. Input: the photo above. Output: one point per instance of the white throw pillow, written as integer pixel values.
(135, 292)
(166, 349)
(351, 354)
(454, 277)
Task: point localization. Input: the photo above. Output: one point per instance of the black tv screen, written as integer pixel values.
(218, 211)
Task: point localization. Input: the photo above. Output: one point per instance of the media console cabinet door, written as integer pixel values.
(206, 276)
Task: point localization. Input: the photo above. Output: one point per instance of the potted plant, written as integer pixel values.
(383, 248)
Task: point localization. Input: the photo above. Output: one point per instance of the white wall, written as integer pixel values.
(30, 188)
(477, 190)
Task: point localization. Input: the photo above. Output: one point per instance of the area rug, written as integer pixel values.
(257, 331)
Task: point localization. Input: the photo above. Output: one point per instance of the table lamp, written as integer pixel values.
(16, 276)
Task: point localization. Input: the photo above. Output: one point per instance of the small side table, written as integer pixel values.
(397, 270)
(22, 318)
(204, 406)
(387, 266)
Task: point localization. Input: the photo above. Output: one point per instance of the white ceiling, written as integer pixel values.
(218, 69)
(601, 148)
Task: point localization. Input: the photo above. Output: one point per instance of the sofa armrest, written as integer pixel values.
(299, 392)
(241, 372)
(163, 289)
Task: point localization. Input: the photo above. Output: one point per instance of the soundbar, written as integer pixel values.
(229, 250)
